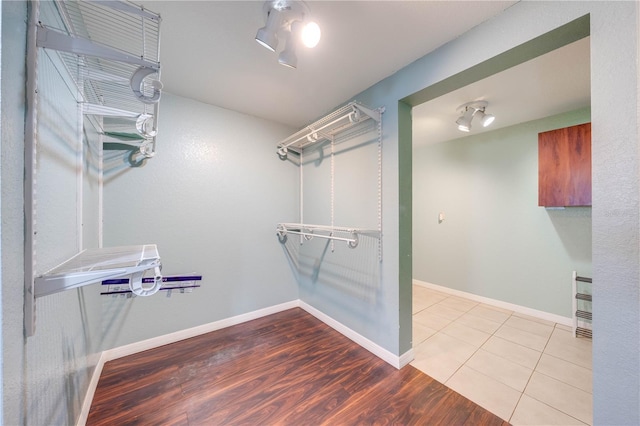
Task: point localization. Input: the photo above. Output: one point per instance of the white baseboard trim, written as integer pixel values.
(91, 390)
(406, 358)
(377, 350)
(166, 339)
(559, 319)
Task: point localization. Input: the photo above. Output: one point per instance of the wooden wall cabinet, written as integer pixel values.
(564, 167)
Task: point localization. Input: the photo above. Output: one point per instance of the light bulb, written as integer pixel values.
(464, 121)
(311, 34)
(487, 120)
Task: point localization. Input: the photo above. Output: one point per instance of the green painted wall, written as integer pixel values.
(520, 31)
(495, 240)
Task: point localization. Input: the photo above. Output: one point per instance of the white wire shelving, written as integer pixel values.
(326, 128)
(110, 49)
(582, 308)
(95, 265)
(107, 54)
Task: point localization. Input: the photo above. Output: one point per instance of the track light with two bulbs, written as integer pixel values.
(469, 111)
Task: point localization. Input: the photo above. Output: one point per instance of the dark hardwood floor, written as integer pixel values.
(284, 369)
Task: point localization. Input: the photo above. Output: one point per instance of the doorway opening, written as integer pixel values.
(477, 230)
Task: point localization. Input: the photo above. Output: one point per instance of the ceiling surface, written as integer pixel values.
(557, 82)
(209, 53)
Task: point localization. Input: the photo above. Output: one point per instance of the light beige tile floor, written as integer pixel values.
(526, 370)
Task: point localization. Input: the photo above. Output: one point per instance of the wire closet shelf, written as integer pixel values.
(111, 51)
(95, 265)
(326, 128)
(106, 52)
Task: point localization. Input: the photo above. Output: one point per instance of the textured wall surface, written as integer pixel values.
(210, 199)
(495, 240)
(46, 375)
(614, 47)
(616, 215)
(211, 205)
(344, 282)
(13, 45)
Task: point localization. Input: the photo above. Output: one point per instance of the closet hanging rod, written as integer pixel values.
(329, 228)
(352, 242)
(307, 231)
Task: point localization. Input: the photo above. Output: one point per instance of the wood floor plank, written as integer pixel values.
(251, 366)
(480, 416)
(164, 417)
(285, 369)
(293, 390)
(259, 385)
(138, 397)
(390, 393)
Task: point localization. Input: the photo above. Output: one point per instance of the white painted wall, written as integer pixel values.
(495, 241)
(210, 199)
(45, 377)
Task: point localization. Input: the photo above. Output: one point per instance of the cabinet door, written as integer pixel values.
(564, 167)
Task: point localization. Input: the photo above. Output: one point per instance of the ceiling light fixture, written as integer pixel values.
(464, 122)
(470, 110)
(287, 18)
(268, 35)
(485, 119)
(288, 56)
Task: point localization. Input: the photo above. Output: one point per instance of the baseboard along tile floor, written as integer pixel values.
(523, 369)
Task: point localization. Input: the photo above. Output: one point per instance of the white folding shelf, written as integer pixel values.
(96, 265)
